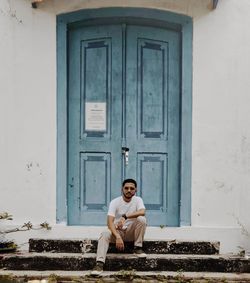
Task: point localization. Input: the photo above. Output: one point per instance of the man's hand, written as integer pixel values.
(113, 228)
(120, 224)
(119, 243)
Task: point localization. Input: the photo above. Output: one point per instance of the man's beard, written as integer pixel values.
(128, 196)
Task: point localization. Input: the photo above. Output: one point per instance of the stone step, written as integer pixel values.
(155, 247)
(16, 276)
(116, 262)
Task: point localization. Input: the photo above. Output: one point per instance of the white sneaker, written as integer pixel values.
(98, 269)
(138, 251)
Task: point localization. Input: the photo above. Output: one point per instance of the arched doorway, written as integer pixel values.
(124, 91)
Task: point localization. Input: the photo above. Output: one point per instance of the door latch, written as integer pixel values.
(125, 151)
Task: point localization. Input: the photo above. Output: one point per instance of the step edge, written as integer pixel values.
(145, 240)
(107, 274)
(121, 255)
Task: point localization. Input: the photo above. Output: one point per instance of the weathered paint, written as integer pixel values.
(178, 22)
(154, 144)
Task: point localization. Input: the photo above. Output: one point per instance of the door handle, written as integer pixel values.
(125, 151)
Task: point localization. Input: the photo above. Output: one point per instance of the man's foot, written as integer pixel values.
(98, 269)
(139, 252)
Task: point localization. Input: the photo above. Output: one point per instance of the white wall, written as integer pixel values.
(221, 131)
(28, 111)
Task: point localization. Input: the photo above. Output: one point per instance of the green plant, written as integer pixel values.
(10, 246)
(27, 226)
(52, 278)
(180, 277)
(7, 278)
(126, 274)
(5, 215)
(7, 246)
(241, 252)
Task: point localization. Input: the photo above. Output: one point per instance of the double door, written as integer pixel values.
(123, 120)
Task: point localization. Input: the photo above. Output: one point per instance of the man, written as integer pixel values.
(126, 222)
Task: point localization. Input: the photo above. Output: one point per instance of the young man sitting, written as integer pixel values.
(126, 222)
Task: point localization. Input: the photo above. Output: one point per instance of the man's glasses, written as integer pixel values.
(127, 188)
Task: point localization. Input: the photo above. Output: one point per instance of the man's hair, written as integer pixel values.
(129, 181)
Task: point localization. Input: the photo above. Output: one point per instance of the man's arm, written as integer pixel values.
(140, 212)
(112, 227)
(119, 242)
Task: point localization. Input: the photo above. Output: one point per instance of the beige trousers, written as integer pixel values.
(134, 232)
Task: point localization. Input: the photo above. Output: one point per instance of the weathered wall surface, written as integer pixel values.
(220, 136)
(28, 111)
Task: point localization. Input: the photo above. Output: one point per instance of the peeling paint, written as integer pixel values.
(11, 13)
(244, 230)
(219, 185)
(34, 166)
(29, 166)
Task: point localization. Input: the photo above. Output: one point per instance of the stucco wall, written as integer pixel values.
(220, 135)
(221, 132)
(28, 111)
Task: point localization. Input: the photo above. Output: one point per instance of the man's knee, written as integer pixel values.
(142, 220)
(106, 235)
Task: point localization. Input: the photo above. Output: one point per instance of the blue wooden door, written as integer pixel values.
(95, 94)
(152, 120)
(124, 88)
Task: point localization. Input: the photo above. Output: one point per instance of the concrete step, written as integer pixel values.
(155, 247)
(108, 277)
(116, 262)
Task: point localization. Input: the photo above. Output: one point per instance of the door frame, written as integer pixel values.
(144, 16)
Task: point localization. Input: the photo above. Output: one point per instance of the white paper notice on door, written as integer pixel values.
(95, 116)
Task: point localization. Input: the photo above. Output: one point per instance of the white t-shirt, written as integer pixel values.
(118, 207)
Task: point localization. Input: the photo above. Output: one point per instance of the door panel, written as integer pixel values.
(131, 75)
(151, 88)
(94, 166)
(152, 115)
(95, 93)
